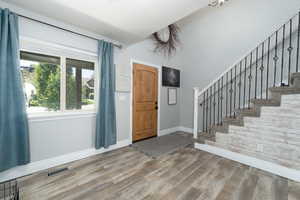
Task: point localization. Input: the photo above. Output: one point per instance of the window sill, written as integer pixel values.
(36, 117)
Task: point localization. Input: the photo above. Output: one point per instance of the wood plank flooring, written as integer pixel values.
(186, 174)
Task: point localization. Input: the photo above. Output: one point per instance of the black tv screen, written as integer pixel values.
(170, 77)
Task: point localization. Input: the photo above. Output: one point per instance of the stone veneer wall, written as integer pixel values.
(274, 136)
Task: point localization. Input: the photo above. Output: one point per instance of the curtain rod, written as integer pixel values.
(70, 31)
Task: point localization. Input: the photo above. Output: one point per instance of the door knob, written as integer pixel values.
(156, 107)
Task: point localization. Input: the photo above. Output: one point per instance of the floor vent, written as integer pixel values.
(57, 171)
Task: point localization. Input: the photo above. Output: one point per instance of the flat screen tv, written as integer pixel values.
(170, 77)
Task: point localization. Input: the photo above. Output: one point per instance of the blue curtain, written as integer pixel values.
(14, 137)
(106, 115)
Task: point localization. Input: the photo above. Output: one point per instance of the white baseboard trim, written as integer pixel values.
(186, 129)
(253, 162)
(56, 161)
(168, 131)
(175, 129)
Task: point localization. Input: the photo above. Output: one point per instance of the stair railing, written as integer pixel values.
(270, 64)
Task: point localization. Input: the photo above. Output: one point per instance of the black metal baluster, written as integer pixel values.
(221, 117)
(250, 78)
(231, 82)
(290, 49)
(256, 66)
(275, 58)
(240, 84)
(268, 66)
(298, 44)
(282, 55)
(207, 94)
(262, 69)
(245, 75)
(210, 108)
(234, 101)
(218, 121)
(214, 103)
(203, 106)
(226, 94)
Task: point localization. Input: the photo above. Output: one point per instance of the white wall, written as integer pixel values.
(214, 39)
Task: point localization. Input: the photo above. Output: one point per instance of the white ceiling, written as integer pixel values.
(127, 21)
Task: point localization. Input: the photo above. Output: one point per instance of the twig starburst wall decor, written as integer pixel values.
(215, 3)
(167, 40)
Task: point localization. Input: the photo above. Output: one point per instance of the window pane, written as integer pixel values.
(80, 85)
(41, 82)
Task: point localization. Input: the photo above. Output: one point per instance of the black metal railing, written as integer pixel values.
(9, 190)
(270, 64)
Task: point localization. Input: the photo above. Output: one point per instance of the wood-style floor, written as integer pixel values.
(185, 174)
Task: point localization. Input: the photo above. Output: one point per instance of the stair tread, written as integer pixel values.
(247, 112)
(285, 90)
(264, 101)
(231, 119)
(295, 74)
(215, 127)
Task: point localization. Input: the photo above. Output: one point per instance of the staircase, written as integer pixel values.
(253, 109)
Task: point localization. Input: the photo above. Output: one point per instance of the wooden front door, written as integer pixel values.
(144, 101)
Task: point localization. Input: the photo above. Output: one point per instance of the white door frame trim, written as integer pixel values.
(132, 61)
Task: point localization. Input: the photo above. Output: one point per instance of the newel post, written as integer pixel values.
(196, 103)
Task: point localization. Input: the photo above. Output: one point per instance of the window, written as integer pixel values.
(80, 85)
(50, 86)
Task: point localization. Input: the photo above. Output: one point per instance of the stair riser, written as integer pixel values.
(222, 138)
(273, 131)
(269, 137)
(277, 94)
(275, 123)
(223, 129)
(290, 101)
(248, 114)
(295, 80)
(289, 111)
(236, 122)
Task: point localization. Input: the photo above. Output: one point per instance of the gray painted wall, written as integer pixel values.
(214, 39)
(59, 135)
(143, 51)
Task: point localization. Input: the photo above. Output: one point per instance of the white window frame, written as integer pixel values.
(84, 56)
